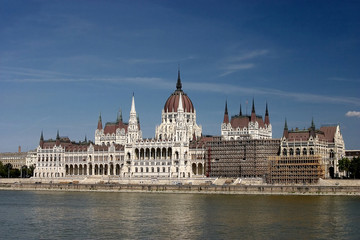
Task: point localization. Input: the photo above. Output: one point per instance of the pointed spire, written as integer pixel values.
(180, 107)
(253, 114)
(57, 135)
(133, 105)
(226, 114)
(178, 84)
(119, 116)
(253, 106)
(312, 123)
(267, 120)
(99, 127)
(85, 138)
(286, 130)
(41, 143)
(240, 114)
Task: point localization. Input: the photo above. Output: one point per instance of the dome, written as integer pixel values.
(172, 102)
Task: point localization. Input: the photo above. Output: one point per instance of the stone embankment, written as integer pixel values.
(329, 187)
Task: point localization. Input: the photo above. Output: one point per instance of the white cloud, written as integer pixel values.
(353, 114)
(236, 63)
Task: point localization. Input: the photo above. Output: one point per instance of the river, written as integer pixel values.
(99, 215)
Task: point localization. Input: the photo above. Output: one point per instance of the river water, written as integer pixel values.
(97, 215)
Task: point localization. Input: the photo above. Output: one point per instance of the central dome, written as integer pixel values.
(172, 102)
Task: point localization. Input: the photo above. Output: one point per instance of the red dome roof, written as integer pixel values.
(172, 103)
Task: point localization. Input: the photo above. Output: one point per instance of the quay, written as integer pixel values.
(225, 186)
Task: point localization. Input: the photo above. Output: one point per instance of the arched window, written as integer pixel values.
(284, 152)
(298, 151)
(291, 152)
(304, 151)
(332, 154)
(311, 151)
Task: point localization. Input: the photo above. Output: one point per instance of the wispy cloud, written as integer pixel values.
(233, 64)
(300, 97)
(155, 60)
(340, 79)
(353, 114)
(231, 68)
(155, 82)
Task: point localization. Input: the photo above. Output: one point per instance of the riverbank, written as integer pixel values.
(324, 187)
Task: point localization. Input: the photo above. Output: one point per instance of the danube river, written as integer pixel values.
(97, 215)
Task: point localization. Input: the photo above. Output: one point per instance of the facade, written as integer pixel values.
(120, 151)
(295, 169)
(246, 127)
(326, 142)
(236, 158)
(16, 159)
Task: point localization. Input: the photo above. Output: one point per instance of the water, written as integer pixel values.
(96, 215)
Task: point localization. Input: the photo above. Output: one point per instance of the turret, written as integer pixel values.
(226, 114)
(240, 113)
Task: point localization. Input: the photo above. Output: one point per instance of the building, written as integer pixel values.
(246, 127)
(326, 142)
(236, 158)
(16, 159)
(295, 169)
(120, 151)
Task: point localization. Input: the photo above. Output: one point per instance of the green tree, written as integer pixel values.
(355, 167)
(344, 165)
(2, 170)
(8, 168)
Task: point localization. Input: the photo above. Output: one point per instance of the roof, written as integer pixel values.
(172, 102)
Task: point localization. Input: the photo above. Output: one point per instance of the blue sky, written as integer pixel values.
(64, 62)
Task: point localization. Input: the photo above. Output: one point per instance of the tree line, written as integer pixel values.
(351, 167)
(7, 171)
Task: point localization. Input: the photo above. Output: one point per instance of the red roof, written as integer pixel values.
(110, 128)
(172, 102)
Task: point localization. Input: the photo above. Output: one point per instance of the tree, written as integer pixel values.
(8, 168)
(344, 165)
(355, 167)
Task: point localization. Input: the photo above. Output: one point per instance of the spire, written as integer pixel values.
(119, 116)
(133, 105)
(286, 130)
(178, 84)
(99, 127)
(180, 107)
(312, 123)
(41, 143)
(240, 114)
(253, 114)
(226, 115)
(57, 138)
(267, 120)
(253, 106)
(85, 138)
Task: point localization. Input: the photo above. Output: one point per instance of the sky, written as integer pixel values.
(62, 63)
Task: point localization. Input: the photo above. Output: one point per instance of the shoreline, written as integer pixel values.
(313, 190)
